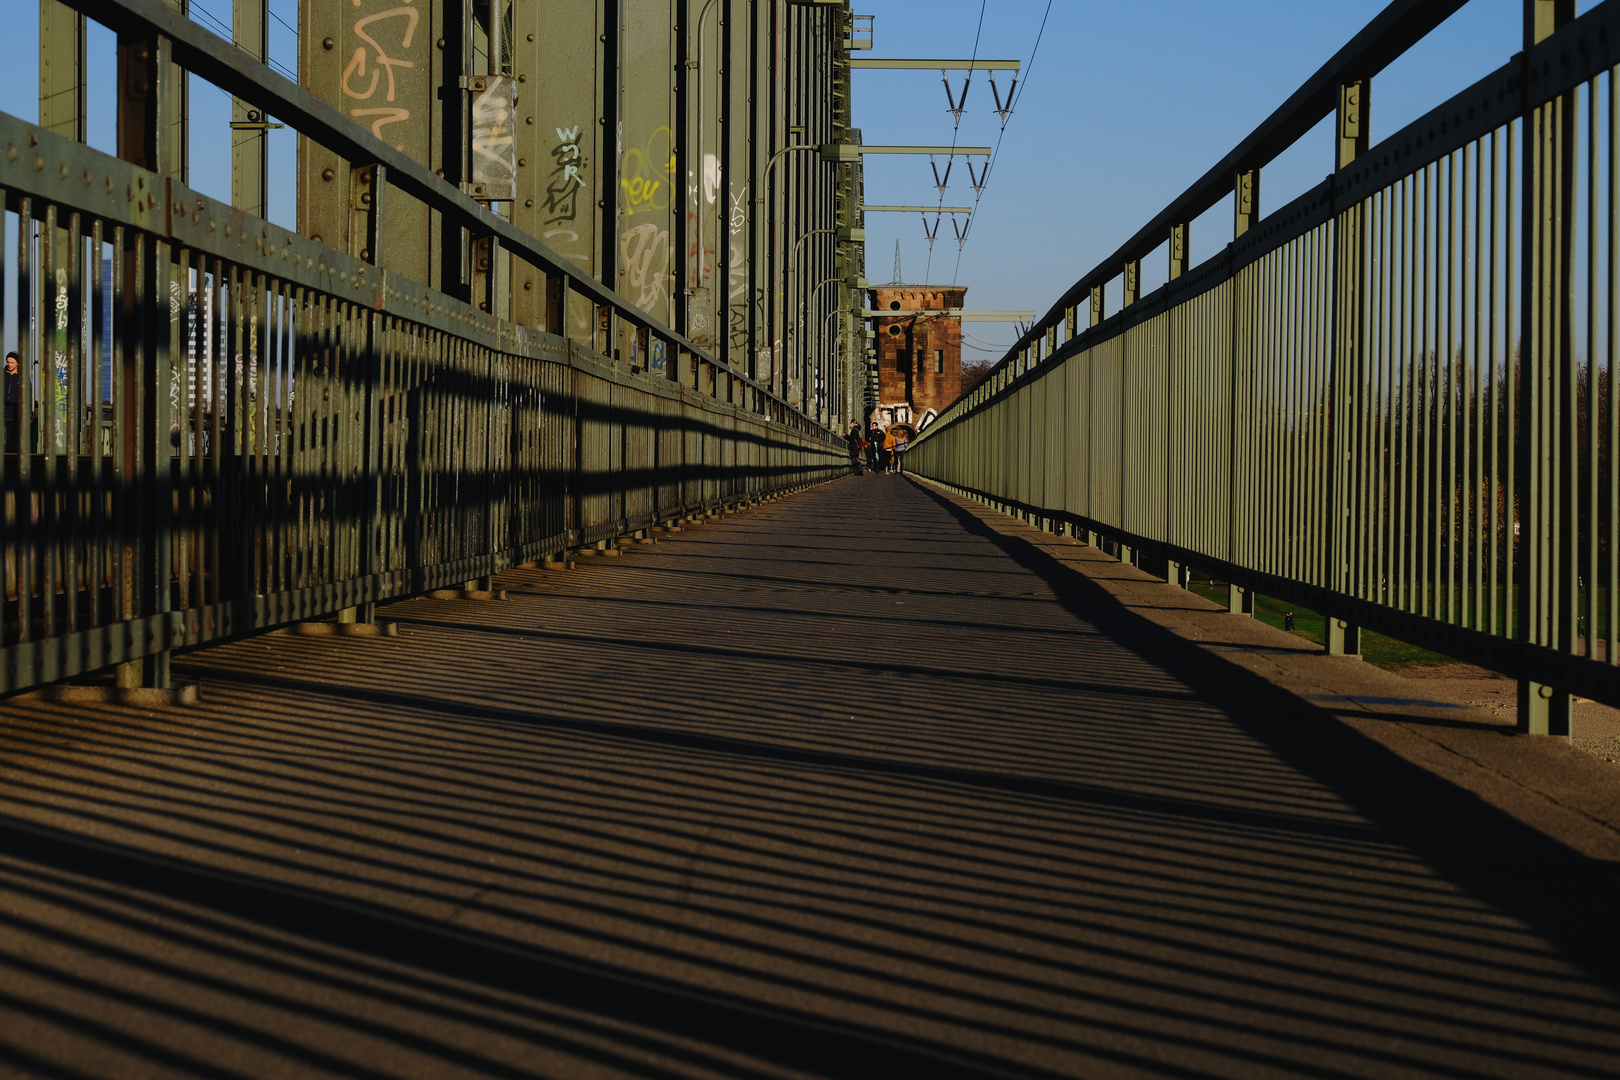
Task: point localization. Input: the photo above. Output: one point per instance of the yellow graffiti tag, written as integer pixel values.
(644, 179)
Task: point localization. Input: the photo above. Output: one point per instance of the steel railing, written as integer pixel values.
(219, 426)
(1390, 400)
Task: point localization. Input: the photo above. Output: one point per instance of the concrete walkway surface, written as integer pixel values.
(868, 781)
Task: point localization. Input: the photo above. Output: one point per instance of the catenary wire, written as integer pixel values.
(996, 156)
(955, 134)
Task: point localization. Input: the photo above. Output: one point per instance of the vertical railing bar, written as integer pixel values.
(1512, 358)
(1568, 490)
(1495, 285)
(72, 292)
(335, 337)
(95, 517)
(187, 382)
(1405, 469)
(1388, 544)
(1284, 331)
(1356, 545)
(1411, 465)
(1315, 478)
(1307, 475)
(276, 435)
(1328, 250)
(1376, 398)
(323, 346)
(1449, 397)
(50, 425)
(1612, 575)
(1303, 332)
(1545, 435)
(1428, 355)
(219, 378)
(67, 471)
(256, 440)
(1385, 583)
(1584, 643)
(1476, 476)
(1268, 505)
(297, 391)
(125, 410)
(1288, 374)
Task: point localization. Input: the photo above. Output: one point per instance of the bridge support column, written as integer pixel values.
(1546, 457)
(1239, 601)
(1176, 573)
(1343, 638)
(1343, 550)
(151, 134)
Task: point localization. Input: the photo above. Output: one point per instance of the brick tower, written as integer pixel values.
(919, 355)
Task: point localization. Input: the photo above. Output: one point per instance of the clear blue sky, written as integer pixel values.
(1123, 107)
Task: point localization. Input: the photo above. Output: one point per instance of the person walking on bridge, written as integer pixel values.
(857, 447)
(891, 439)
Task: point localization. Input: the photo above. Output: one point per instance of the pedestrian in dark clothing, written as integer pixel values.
(856, 446)
(874, 446)
(13, 399)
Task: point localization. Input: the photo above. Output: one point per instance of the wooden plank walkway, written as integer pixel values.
(864, 782)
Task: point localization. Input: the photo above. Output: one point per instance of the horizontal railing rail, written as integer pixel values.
(1390, 400)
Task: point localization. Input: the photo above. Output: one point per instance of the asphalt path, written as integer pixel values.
(863, 782)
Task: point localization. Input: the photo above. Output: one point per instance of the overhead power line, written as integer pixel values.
(996, 156)
(928, 269)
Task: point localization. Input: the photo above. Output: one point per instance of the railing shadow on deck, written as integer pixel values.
(330, 863)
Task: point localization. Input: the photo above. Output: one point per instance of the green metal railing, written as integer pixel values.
(219, 426)
(1390, 400)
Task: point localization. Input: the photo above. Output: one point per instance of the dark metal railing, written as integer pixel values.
(1390, 400)
(219, 426)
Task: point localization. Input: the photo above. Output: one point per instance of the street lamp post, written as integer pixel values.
(797, 313)
(809, 304)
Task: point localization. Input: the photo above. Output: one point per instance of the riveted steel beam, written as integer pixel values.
(250, 128)
(61, 70)
(935, 65)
